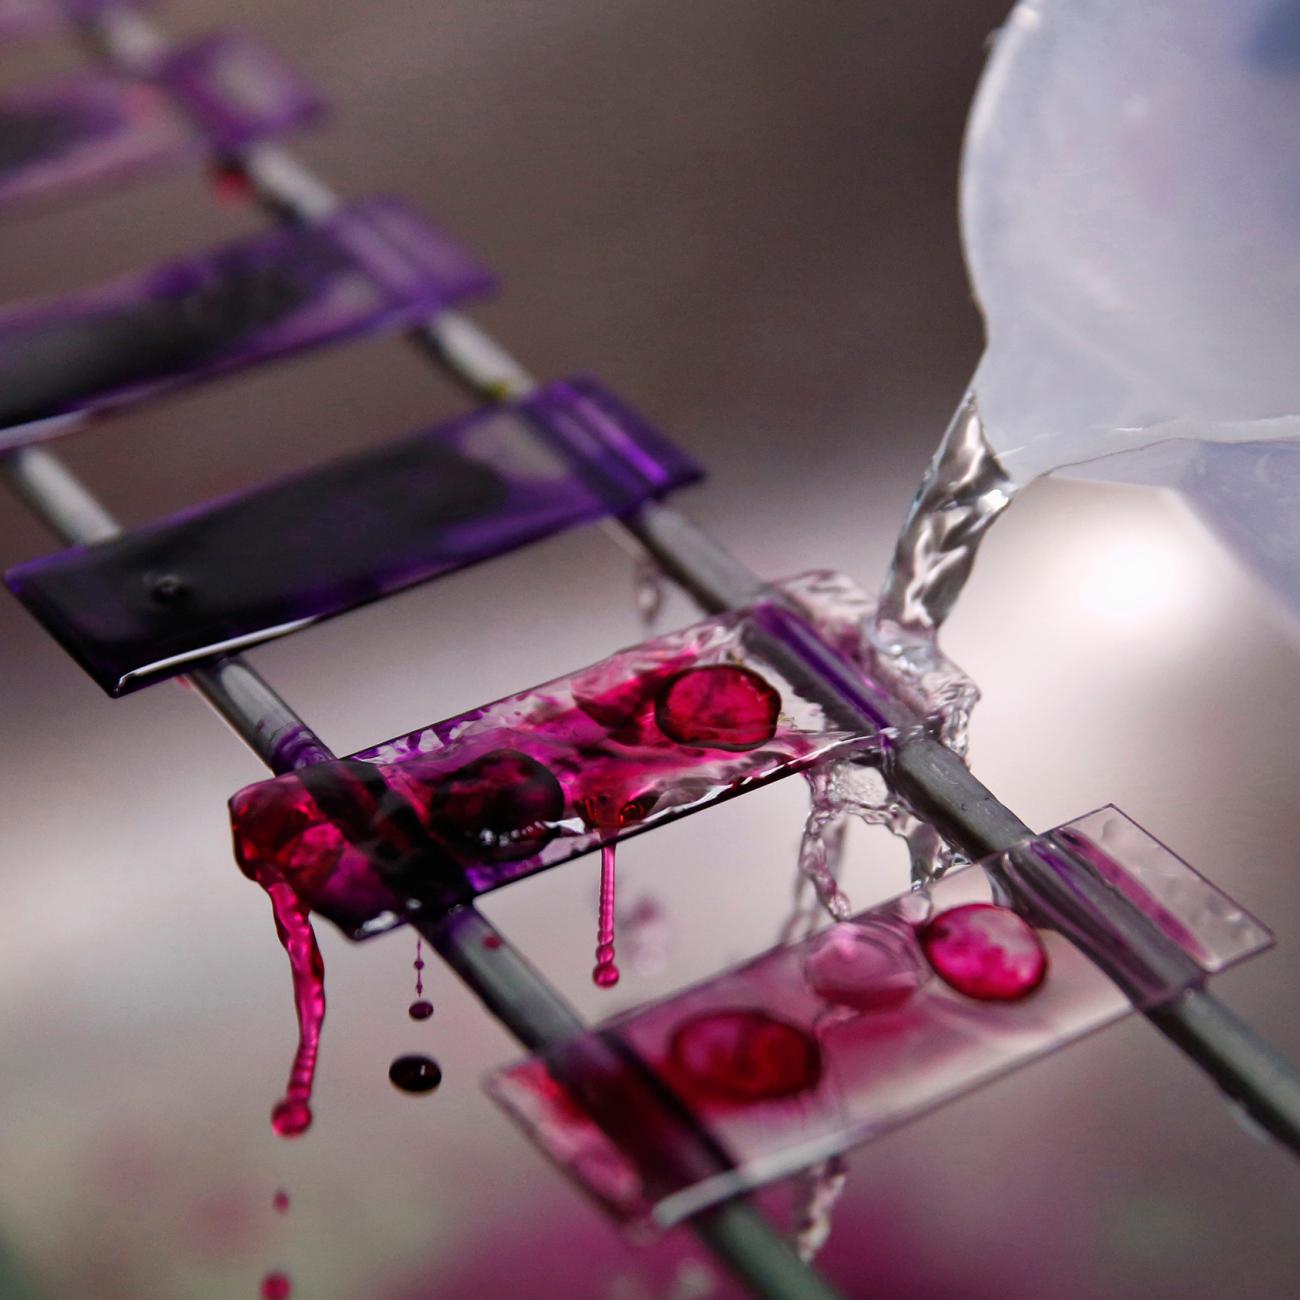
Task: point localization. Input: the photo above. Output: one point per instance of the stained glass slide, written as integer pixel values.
(86, 128)
(23, 19)
(145, 606)
(450, 811)
(375, 265)
(815, 1047)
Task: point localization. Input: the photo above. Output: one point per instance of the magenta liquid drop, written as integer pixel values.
(276, 1286)
(280, 1201)
(985, 951)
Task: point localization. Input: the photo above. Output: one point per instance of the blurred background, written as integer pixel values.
(741, 215)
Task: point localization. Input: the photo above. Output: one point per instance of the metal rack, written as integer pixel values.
(932, 779)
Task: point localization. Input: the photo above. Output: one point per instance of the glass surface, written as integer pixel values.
(375, 265)
(815, 1047)
(143, 607)
(453, 810)
(89, 127)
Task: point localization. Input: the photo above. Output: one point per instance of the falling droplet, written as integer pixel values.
(280, 1201)
(230, 184)
(606, 973)
(420, 1010)
(415, 1074)
(276, 1286)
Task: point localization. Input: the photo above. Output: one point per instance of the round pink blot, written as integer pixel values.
(744, 1056)
(276, 1286)
(718, 707)
(985, 952)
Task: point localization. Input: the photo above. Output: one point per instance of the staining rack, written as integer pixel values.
(1111, 931)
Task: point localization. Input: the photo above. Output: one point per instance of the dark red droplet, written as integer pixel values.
(744, 1056)
(492, 941)
(420, 1010)
(500, 808)
(415, 1073)
(985, 952)
(230, 184)
(718, 707)
(280, 1201)
(276, 1286)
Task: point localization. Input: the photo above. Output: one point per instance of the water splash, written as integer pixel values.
(963, 491)
(648, 591)
(820, 1187)
(817, 886)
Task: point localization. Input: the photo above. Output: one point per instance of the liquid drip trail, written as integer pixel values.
(292, 1114)
(419, 1009)
(606, 973)
(821, 1187)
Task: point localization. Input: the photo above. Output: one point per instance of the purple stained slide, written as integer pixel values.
(256, 565)
(20, 19)
(374, 265)
(87, 128)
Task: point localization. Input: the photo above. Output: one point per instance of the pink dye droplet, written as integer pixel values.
(280, 1201)
(718, 707)
(290, 1117)
(868, 965)
(276, 1286)
(420, 1010)
(744, 1055)
(985, 952)
(606, 973)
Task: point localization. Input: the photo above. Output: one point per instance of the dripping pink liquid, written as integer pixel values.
(419, 1009)
(606, 973)
(280, 1201)
(292, 1114)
